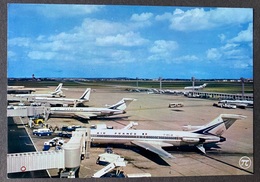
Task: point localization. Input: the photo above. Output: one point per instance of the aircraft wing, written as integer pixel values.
(155, 147)
(84, 115)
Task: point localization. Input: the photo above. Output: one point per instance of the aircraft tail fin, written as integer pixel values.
(58, 89)
(204, 85)
(122, 104)
(86, 95)
(219, 125)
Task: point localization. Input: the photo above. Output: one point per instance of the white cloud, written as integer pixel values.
(227, 51)
(178, 12)
(201, 19)
(11, 54)
(177, 60)
(165, 16)
(50, 55)
(101, 27)
(232, 51)
(166, 51)
(142, 17)
(122, 56)
(141, 20)
(245, 35)
(222, 37)
(163, 46)
(81, 42)
(39, 55)
(231, 55)
(40, 38)
(242, 64)
(231, 15)
(19, 41)
(213, 54)
(51, 46)
(127, 39)
(59, 11)
(229, 46)
(186, 58)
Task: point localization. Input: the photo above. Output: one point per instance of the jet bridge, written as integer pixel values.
(33, 161)
(67, 158)
(26, 111)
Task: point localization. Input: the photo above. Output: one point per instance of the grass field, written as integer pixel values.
(223, 87)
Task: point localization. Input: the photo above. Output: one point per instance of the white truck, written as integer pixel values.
(176, 104)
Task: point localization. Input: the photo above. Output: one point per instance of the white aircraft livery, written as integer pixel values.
(63, 101)
(88, 112)
(154, 140)
(196, 87)
(26, 97)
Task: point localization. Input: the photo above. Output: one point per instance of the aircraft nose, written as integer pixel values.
(222, 139)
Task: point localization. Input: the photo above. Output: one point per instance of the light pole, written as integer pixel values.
(160, 79)
(243, 87)
(193, 84)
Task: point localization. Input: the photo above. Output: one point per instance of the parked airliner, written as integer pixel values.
(89, 112)
(196, 87)
(63, 101)
(26, 97)
(154, 140)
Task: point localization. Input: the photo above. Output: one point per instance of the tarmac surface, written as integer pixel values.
(151, 111)
(19, 142)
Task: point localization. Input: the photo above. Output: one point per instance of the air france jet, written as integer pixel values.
(89, 112)
(154, 140)
(196, 87)
(27, 97)
(64, 101)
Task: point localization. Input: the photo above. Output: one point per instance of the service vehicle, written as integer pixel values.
(56, 141)
(42, 132)
(225, 105)
(66, 131)
(178, 104)
(37, 120)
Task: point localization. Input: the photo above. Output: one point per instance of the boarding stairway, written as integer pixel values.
(130, 125)
(110, 167)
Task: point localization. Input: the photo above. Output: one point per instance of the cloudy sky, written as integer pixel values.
(129, 41)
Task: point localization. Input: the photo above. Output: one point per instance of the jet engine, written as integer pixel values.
(191, 140)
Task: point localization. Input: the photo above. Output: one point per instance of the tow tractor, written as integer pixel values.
(38, 120)
(55, 142)
(66, 131)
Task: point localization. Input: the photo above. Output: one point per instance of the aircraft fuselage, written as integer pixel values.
(176, 138)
